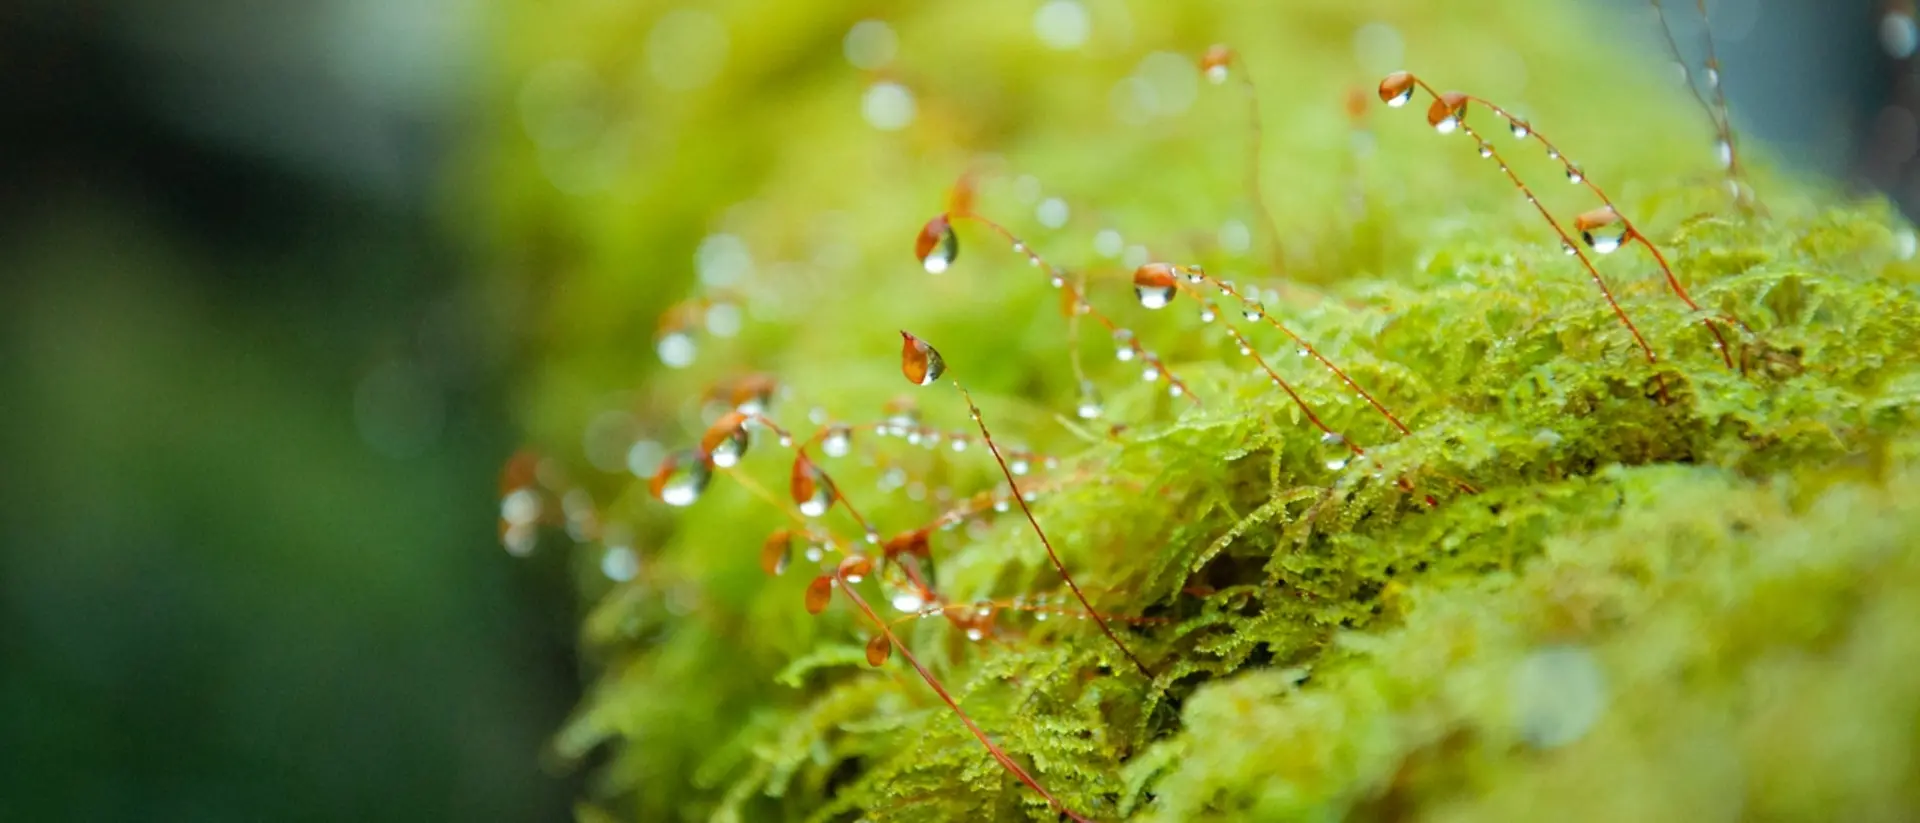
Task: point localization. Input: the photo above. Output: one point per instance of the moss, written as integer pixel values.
(1642, 591)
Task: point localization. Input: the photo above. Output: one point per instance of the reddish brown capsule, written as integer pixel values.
(921, 363)
(777, 553)
(855, 567)
(936, 247)
(819, 594)
(1447, 109)
(1216, 63)
(1397, 88)
(1155, 285)
(1356, 104)
(1602, 229)
(725, 442)
(878, 650)
(812, 490)
(913, 543)
(681, 478)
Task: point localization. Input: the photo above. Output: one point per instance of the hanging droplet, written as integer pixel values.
(1574, 175)
(681, 478)
(1253, 311)
(975, 634)
(1568, 249)
(1245, 349)
(1153, 283)
(777, 553)
(1338, 444)
(908, 602)
(1519, 128)
(1207, 313)
(1150, 373)
(1553, 153)
(1397, 89)
(959, 443)
(878, 650)
(1175, 389)
(936, 247)
(1019, 463)
(819, 594)
(1195, 274)
(921, 363)
(1712, 75)
(838, 442)
(811, 488)
(1445, 113)
(1123, 344)
(1602, 229)
(1723, 150)
(1216, 62)
(725, 442)
(855, 567)
(1090, 406)
(1486, 149)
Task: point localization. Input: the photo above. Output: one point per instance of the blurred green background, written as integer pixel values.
(254, 380)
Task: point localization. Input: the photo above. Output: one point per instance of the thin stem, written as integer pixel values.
(1051, 555)
(1247, 348)
(1252, 306)
(1058, 277)
(1565, 239)
(999, 755)
(1633, 232)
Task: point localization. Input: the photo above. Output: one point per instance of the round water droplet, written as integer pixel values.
(1052, 212)
(838, 442)
(959, 443)
(1207, 314)
(1245, 350)
(907, 602)
(1019, 464)
(1123, 344)
(1176, 389)
(1090, 406)
(1553, 154)
(1568, 249)
(1150, 374)
(1336, 464)
(1601, 229)
(975, 634)
(1723, 151)
(1154, 285)
(1253, 311)
(1520, 129)
(1486, 149)
(681, 478)
(937, 246)
(1574, 174)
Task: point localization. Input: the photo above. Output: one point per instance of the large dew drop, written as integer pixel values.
(1396, 89)
(1153, 283)
(920, 363)
(838, 442)
(812, 489)
(681, 478)
(936, 247)
(1602, 229)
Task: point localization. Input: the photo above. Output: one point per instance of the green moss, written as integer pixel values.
(1677, 590)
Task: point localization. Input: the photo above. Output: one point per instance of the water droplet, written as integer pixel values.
(1553, 153)
(815, 554)
(1150, 373)
(676, 349)
(936, 246)
(1574, 175)
(1245, 349)
(1519, 128)
(1486, 149)
(681, 478)
(1254, 311)
(1019, 463)
(777, 553)
(1123, 344)
(1397, 89)
(975, 634)
(1568, 249)
(1153, 283)
(1108, 243)
(1336, 464)
(959, 443)
(1176, 389)
(1040, 617)
(1301, 352)
(838, 442)
(920, 363)
(908, 602)
(1711, 76)
(1090, 406)
(1445, 113)
(1601, 229)
(1723, 150)
(812, 489)
(727, 452)
(1207, 314)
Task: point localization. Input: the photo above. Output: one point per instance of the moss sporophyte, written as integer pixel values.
(1372, 503)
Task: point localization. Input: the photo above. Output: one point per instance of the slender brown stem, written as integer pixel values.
(1633, 232)
(1566, 240)
(1051, 554)
(1247, 348)
(1059, 278)
(999, 755)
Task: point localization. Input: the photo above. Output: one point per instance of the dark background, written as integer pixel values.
(252, 402)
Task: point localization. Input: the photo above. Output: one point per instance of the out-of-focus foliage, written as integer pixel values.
(1643, 592)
